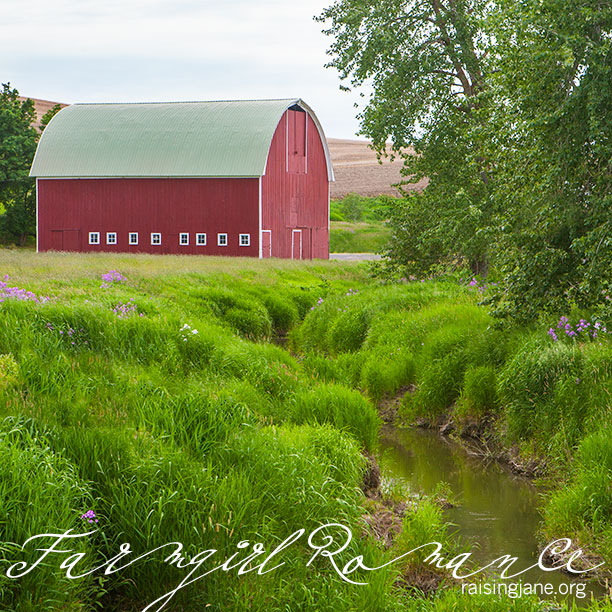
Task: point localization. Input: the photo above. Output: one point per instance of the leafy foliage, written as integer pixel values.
(17, 146)
(18, 140)
(425, 63)
(554, 150)
(507, 107)
(17, 135)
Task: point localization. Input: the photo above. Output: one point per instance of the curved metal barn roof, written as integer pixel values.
(173, 139)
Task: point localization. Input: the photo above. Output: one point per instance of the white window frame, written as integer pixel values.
(219, 243)
(94, 237)
(108, 237)
(153, 243)
(248, 240)
(130, 241)
(198, 243)
(181, 243)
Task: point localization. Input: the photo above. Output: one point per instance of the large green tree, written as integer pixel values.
(425, 63)
(508, 106)
(551, 135)
(18, 140)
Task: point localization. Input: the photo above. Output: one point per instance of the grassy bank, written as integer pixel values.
(152, 397)
(541, 395)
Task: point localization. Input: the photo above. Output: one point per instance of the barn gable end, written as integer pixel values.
(295, 190)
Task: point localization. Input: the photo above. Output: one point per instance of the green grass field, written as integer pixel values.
(158, 401)
(360, 237)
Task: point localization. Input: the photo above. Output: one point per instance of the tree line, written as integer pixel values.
(18, 140)
(507, 106)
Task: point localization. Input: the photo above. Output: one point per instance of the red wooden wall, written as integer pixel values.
(295, 191)
(68, 209)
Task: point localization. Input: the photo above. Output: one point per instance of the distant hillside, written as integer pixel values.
(355, 165)
(358, 171)
(41, 107)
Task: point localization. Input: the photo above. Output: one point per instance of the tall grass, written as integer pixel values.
(583, 508)
(183, 424)
(343, 408)
(384, 339)
(40, 492)
(555, 393)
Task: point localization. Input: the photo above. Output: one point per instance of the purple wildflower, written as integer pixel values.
(89, 516)
(112, 277)
(125, 310)
(17, 293)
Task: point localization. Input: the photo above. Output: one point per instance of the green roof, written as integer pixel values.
(190, 139)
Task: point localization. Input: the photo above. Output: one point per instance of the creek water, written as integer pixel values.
(496, 512)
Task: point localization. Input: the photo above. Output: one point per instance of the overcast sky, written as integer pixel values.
(157, 50)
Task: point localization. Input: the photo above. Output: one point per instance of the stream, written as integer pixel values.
(496, 511)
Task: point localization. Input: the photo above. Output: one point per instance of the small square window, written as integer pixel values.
(201, 239)
(221, 239)
(183, 238)
(111, 237)
(133, 237)
(245, 239)
(94, 237)
(156, 238)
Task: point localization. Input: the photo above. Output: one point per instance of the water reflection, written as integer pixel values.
(497, 512)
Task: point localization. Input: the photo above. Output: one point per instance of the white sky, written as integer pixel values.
(158, 50)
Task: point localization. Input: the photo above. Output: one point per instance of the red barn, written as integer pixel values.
(246, 178)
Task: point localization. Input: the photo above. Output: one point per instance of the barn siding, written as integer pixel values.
(295, 195)
(68, 209)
